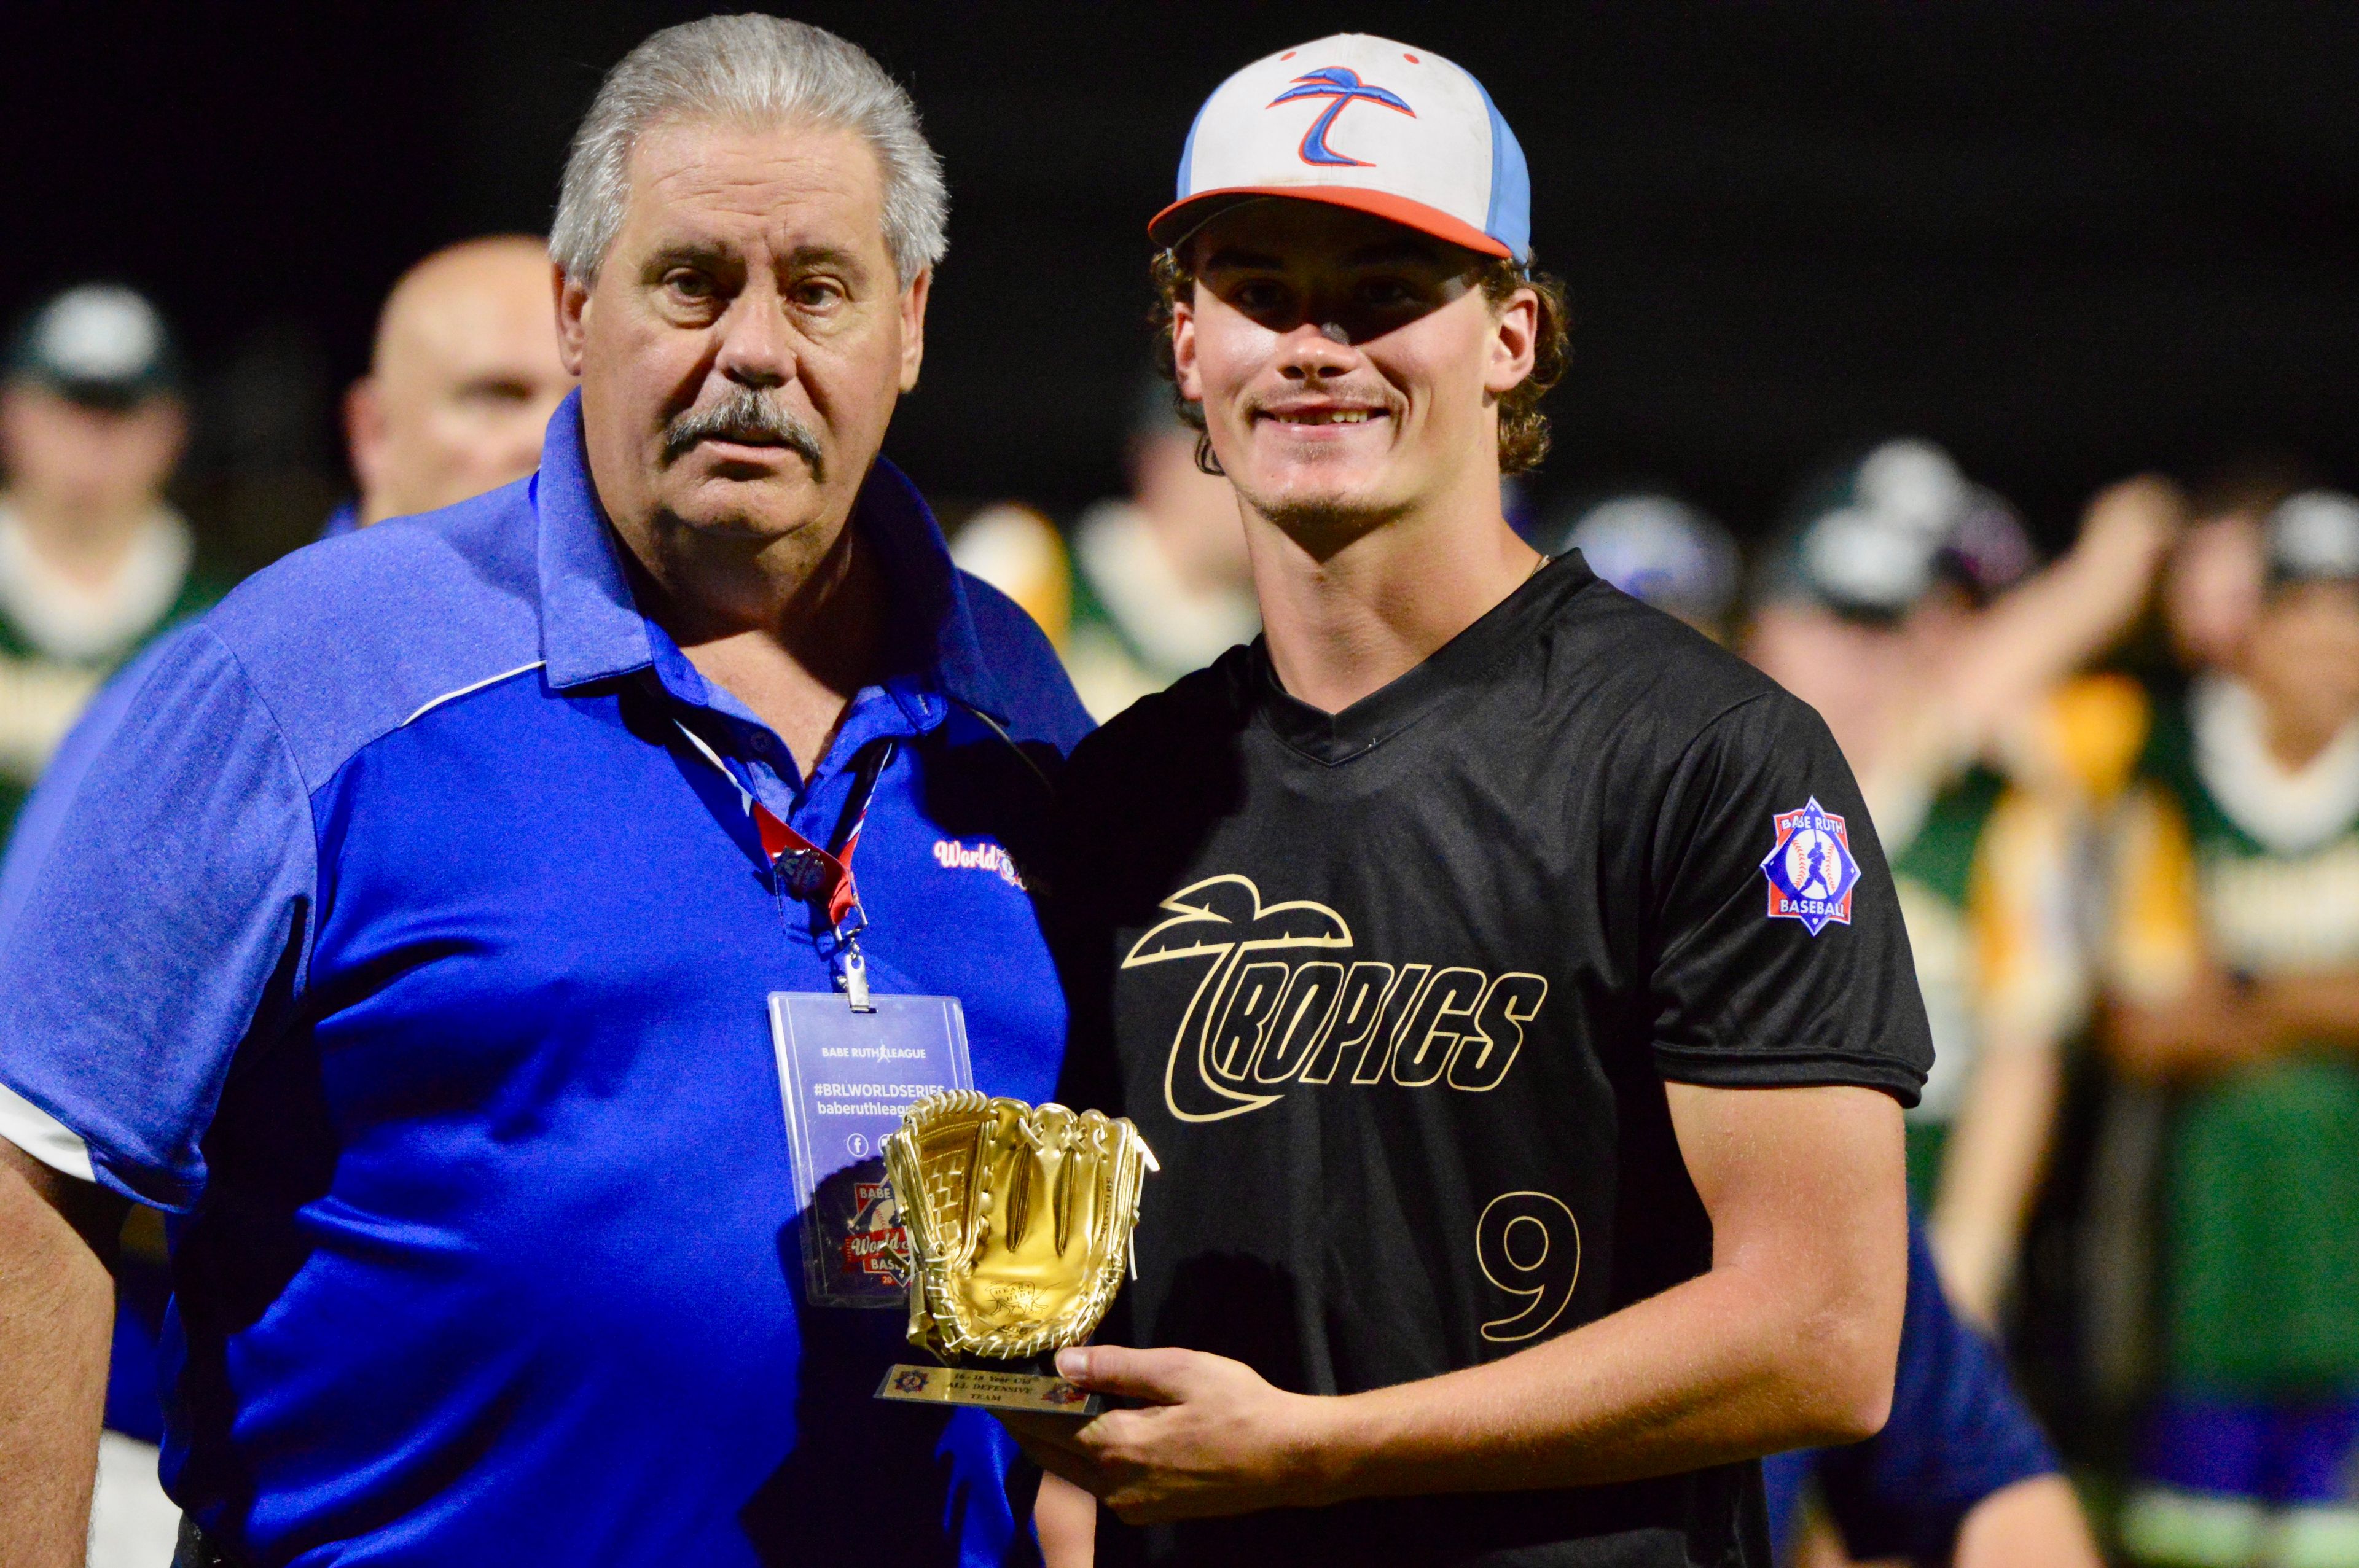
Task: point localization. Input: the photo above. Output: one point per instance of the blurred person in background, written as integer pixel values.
(462, 380)
(1654, 548)
(2235, 961)
(94, 561)
(1019, 552)
(1161, 586)
(2211, 588)
(1960, 1474)
(1156, 584)
(2213, 584)
(2208, 597)
(1903, 607)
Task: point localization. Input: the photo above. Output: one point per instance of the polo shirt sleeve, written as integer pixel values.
(1750, 987)
(1039, 696)
(165, 885)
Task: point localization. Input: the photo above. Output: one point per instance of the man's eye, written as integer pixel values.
(689, 285)
(1256, 295)
(1386, 293)
(815, 293)
(496, 394)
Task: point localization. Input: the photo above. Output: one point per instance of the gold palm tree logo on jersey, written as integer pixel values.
(1222, 923)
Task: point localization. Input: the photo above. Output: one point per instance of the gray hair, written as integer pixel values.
(761, 70)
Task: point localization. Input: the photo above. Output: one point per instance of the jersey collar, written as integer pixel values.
(1463, 663)
(591, 628)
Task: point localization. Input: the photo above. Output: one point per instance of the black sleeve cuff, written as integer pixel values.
(1790, 1070)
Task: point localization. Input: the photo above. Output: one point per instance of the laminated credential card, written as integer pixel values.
(845, 1078)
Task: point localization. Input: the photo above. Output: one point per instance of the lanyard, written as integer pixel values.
(815, 875)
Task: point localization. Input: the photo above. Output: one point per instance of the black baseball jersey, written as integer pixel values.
(1393, 994)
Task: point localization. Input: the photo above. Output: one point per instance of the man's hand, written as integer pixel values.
(1214, 1438)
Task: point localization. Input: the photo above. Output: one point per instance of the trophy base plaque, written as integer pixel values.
(1006, 1386)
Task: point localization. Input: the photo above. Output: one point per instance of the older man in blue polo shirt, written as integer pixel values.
(450, 931)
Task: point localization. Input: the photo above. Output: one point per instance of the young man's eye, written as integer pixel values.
(1258, 295)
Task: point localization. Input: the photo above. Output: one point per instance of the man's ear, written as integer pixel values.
(572, 315)
(173, 414)
(365, 437)
(1514, 342)
(1183, 348)
(913, 327)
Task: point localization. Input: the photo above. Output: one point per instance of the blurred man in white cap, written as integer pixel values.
(1505, 976)
(94, 561)
(2234, 968)
(461, 382)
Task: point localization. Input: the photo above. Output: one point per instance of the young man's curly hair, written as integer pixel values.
(1523, 428)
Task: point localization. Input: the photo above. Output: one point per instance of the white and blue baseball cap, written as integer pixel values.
(2313, 537)
(1364, 122)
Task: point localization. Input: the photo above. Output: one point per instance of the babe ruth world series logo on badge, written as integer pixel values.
(1812, 873)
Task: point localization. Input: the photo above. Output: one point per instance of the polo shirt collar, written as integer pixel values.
(591, 625)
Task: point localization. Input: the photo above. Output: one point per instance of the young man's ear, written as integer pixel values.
(1183, 350)
(1514, 342)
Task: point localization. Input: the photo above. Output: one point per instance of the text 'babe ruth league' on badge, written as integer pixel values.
(1812, 873)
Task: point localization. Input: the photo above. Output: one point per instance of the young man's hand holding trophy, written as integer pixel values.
(1019, 1221)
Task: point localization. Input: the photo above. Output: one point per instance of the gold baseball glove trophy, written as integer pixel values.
(1019, 1221)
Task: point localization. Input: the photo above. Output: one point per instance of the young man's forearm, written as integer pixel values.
(1709, 1372)
(1788, 1339)
(57, 1316)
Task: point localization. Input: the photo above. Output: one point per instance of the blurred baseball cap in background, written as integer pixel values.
(1358, 122)
(2312, 537)
(1654, 548)
(1893, 526)
(99, 344)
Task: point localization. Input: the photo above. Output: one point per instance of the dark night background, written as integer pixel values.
(2066, 241)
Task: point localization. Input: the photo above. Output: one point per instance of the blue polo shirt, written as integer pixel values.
(391, 934)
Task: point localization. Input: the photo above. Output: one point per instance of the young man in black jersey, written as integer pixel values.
(1507, 978)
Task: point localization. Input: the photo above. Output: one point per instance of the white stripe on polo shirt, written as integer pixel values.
(43, 1136)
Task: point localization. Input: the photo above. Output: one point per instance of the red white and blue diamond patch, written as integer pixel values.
(1812, 873)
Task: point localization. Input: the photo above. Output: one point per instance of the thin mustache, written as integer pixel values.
(744, 413)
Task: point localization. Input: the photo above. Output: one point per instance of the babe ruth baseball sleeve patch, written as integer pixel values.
(1812, 873)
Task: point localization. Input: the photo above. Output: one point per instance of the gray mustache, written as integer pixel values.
(745, 415)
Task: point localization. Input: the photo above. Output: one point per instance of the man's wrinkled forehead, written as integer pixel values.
(707, 188)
